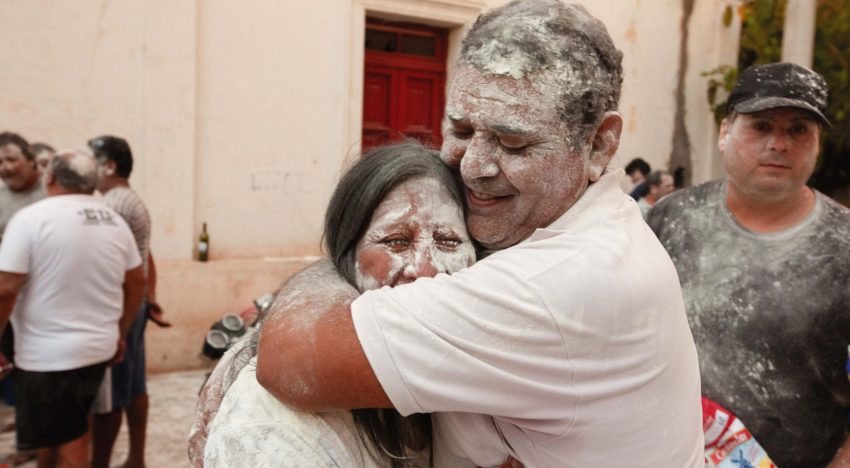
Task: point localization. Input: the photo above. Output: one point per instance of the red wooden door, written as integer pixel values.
(403, 86)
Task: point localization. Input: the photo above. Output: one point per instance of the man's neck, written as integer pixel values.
(31, 185)
(57, 190)
(114, 182)
(766, 216)
(650, 199)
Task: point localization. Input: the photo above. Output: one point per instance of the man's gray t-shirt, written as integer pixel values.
(11, 202)
(770, 314)
(129, 205)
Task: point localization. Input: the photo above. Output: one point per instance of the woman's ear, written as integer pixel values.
(604, 145)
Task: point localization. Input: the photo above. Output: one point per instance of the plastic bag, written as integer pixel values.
(727, 442)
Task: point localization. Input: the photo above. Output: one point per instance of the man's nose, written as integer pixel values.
(779, 141)
(478, 161)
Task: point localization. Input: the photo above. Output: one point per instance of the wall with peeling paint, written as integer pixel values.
(243, 116)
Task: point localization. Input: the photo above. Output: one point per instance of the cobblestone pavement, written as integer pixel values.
(172, 407)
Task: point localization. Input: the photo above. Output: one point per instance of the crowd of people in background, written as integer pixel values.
(77, 284)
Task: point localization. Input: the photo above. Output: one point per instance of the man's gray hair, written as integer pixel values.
(75, 171)
(526, 37)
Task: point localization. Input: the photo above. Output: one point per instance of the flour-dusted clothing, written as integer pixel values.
(575, 341)
(11, 202)
(254, 429)
(770, 315)
(75, 251)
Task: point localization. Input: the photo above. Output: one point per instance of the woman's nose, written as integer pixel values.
(420, 265)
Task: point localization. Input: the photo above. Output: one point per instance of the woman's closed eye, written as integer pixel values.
(397, 242)
(447, 242)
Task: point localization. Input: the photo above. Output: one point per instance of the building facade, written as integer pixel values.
(243, 114)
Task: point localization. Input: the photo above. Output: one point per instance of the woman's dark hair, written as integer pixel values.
(347, 218)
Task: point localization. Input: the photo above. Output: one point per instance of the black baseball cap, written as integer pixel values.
(762, 87)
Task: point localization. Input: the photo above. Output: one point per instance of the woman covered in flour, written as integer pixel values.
(396, 215)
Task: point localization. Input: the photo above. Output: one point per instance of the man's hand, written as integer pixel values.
(10, 285)
(119, 353)
(154, 311)
(5, 366)
(155, 315)
(134, 291)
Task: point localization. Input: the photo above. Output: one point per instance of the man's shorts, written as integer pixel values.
(126, 379)
(53, 407)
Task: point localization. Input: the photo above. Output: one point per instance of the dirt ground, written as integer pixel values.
(172, 405)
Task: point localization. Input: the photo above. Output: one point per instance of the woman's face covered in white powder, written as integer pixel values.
(417, 230)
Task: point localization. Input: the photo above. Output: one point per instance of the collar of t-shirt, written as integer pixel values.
(602, 197)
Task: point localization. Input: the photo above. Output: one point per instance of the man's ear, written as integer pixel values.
(110, 168)
(723, 135)
(604, 145)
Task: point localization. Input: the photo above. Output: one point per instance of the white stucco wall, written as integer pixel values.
(647, 33)
(242, 114)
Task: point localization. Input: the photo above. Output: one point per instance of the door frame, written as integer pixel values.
(402, 68)
(453, 15)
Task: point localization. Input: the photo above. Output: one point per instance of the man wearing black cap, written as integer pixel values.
(764, 263)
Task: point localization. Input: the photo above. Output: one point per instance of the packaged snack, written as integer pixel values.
(728, 444)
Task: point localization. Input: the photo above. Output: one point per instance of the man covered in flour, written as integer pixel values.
(765, 267)
(568, 344)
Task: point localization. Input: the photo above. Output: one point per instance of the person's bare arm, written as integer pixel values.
(10, 285)
(151, 278)
(842, 457)
(155, 313)
(134, 291)
(309, 355)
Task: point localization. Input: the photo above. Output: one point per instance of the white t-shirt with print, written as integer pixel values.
(75, 251)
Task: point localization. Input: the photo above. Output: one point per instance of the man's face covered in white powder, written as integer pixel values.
(513, 152)
(416, 231)
(770, 154)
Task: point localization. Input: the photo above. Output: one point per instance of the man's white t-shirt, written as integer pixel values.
(574, 342)
(75, 251)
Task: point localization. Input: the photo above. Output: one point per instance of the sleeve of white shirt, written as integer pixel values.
(479, 341)
(16, 248)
